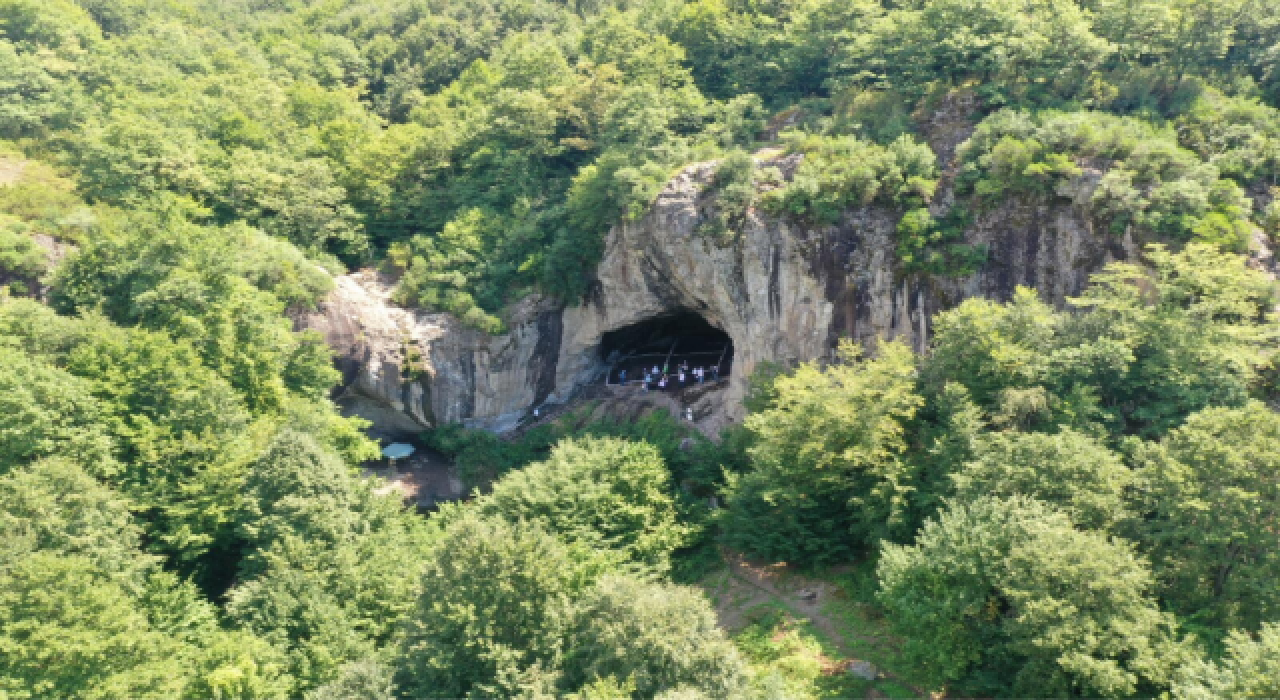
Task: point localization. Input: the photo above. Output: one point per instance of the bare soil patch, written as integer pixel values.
(11, 169)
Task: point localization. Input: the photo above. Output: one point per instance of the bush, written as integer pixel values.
(654, 635)
(839, 173)
(734, 188)
(1004, 597)
(1150, 181)
(932, 246)
(829, 472)
(22, 262)
(603, 493)
(482, 457)
(1068, 470)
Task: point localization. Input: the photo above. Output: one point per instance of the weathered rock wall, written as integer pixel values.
(759, 289)
(409, 370)
(784, 293)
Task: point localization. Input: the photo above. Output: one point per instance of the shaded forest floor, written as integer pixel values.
(804, 634)
(423, 479)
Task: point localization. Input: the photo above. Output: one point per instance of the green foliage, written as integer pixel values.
(656, 636)
(183, 433)
(326, 607)
(1070, 471)
(1241, 137)
(55, 505)
(829, 473)
(71, 630)
(1208, 491)
(22, 261)
(296, 487)
(51, 413)
(1150, 183)
(787, 659)
(440, 270)
(1195, 323)
(603, 493)
(41, 200)
(482, 457)
(930, 245)
(1011, 50)
(331, 568)
(507, 609)
(532, 155)
(297, 201)
(1004, 597)
(1271, 216)
(880, 115)
(86, 614)
(1250, 669)
(839, 173)
(496, 604)
(359, 680)
(166, 429)
(1157, 344)
(734, 188)
(990, 348)
(221, 289)
(206, 160)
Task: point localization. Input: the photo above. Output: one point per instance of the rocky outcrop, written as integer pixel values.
(760, 289)
(408, 370)
(784, 292)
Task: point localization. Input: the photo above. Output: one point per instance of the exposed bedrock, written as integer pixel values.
(784, 292)
(407, 370)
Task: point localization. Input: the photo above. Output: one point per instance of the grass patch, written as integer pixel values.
(790, 659)
(798, 649)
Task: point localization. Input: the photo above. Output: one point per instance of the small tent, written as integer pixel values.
(397, 450)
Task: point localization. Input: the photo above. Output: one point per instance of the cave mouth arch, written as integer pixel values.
(670, 339)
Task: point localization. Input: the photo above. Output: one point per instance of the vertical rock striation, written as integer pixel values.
(784, 293)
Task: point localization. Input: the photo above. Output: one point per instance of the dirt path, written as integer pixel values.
(804, 598)
(423, 479)
(10, 169)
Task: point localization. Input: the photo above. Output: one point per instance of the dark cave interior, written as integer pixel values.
(683, 338)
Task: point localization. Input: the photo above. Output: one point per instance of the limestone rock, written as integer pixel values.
(409, 370)
(784, 292)
(864, 670)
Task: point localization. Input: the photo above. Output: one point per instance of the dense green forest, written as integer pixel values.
(1078, 502)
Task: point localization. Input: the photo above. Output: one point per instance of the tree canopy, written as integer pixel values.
(1058, 501)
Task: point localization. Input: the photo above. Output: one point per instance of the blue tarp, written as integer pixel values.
(397, 450)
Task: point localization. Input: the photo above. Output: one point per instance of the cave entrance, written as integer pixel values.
(672, 340)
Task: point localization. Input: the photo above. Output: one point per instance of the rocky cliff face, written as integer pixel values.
(782, 291)
(408, 370)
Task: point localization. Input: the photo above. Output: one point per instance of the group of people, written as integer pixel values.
(662, 378)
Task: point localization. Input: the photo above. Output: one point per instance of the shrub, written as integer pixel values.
(1006, 598)
(22, 262)
(842, 172)
(604, 493)
(1150, 181)
(657, 636)
(734, 189)
(829, 475)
